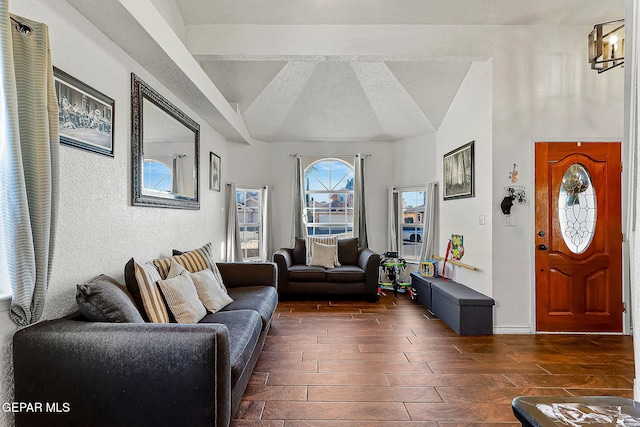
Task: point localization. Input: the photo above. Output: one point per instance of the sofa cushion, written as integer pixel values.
(182, 298)
(262, 299)
(103, 299)
(348, 251)
(306, 273)
(244, 330)
(299, 251)
(323, 255)
(325, 240)
(194, 259)
(345, 274)
(210, 292)
(141, 280)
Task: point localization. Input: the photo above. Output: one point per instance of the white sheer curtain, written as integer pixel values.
(632, 138)
(178, 174)
(265, 242)
(359, 206)
(430, 221)
(233, 246)
(298, 222)
(393, 237)
(29, 169)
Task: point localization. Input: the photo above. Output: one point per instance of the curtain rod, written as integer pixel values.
(21, 26)
(328, 155)
(251, 187)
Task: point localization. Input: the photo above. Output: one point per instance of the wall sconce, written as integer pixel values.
(606, 45)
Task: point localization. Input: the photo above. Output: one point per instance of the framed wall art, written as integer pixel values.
(458, 170)
(214, 172)
(85, 116)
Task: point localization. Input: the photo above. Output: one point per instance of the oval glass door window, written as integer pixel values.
(577, 208)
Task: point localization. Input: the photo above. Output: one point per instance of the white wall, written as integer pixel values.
(469, 119)
(279, 170)
(543, 90)
(98, 229)
(415, 160)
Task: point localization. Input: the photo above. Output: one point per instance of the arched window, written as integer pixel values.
(157, 176)
(329, 197)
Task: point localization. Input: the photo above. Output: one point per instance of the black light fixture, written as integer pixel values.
(606, 45)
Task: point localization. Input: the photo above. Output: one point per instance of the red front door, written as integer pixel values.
(578, 237)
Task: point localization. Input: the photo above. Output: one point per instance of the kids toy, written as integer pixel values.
(392, 266)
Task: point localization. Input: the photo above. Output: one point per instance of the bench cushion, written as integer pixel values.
(461, 294)
(345, 274)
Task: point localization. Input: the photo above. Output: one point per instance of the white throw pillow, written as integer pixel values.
(325, 240)
(210, 291)
(182, 298)
(323, 255)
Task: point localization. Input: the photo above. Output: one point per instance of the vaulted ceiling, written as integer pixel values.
(322, 70)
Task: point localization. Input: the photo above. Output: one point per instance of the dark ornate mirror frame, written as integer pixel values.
(140, 91)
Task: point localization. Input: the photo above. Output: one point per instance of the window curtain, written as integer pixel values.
(233, 246)
(299, 227)
(632, 137)
(29, 169)
(430, 221)
(265, 242)
(359, 209)
(393, 237)
(178, 174)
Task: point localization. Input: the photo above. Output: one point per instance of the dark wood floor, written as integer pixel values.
(392, 364)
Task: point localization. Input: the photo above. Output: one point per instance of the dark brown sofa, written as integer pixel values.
(356, 276)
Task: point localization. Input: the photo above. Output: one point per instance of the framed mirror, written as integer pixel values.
(165, 145)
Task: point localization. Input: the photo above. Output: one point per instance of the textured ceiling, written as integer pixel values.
(363, 97)
(322, 70)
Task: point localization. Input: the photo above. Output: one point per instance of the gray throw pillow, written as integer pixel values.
(103, 299)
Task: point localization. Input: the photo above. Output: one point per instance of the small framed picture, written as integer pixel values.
(458, 169)
(85, 116)
(214, 172)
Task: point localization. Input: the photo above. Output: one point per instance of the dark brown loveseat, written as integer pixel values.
(357, 274)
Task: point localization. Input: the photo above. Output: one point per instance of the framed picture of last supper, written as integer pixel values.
(85, 116)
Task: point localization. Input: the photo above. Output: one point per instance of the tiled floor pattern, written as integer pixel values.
(392, 364)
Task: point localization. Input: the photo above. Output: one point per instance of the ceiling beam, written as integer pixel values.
(340, 42)
(154, 23)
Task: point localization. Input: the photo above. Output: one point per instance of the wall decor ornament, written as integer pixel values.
(458, 171)
(214, 171)
(85, 116)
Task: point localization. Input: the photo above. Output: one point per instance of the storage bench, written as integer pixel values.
(466, 311)
(422, 287)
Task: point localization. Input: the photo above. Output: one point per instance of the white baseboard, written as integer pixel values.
(504, 330)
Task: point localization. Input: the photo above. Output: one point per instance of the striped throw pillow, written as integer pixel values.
(147, 277)
(194, 261)
(325, 240)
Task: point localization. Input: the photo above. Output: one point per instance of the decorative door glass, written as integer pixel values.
(577, 208)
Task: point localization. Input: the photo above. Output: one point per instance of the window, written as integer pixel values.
(156, 176)
(249, 202)
(412, 222)
(329, 197)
